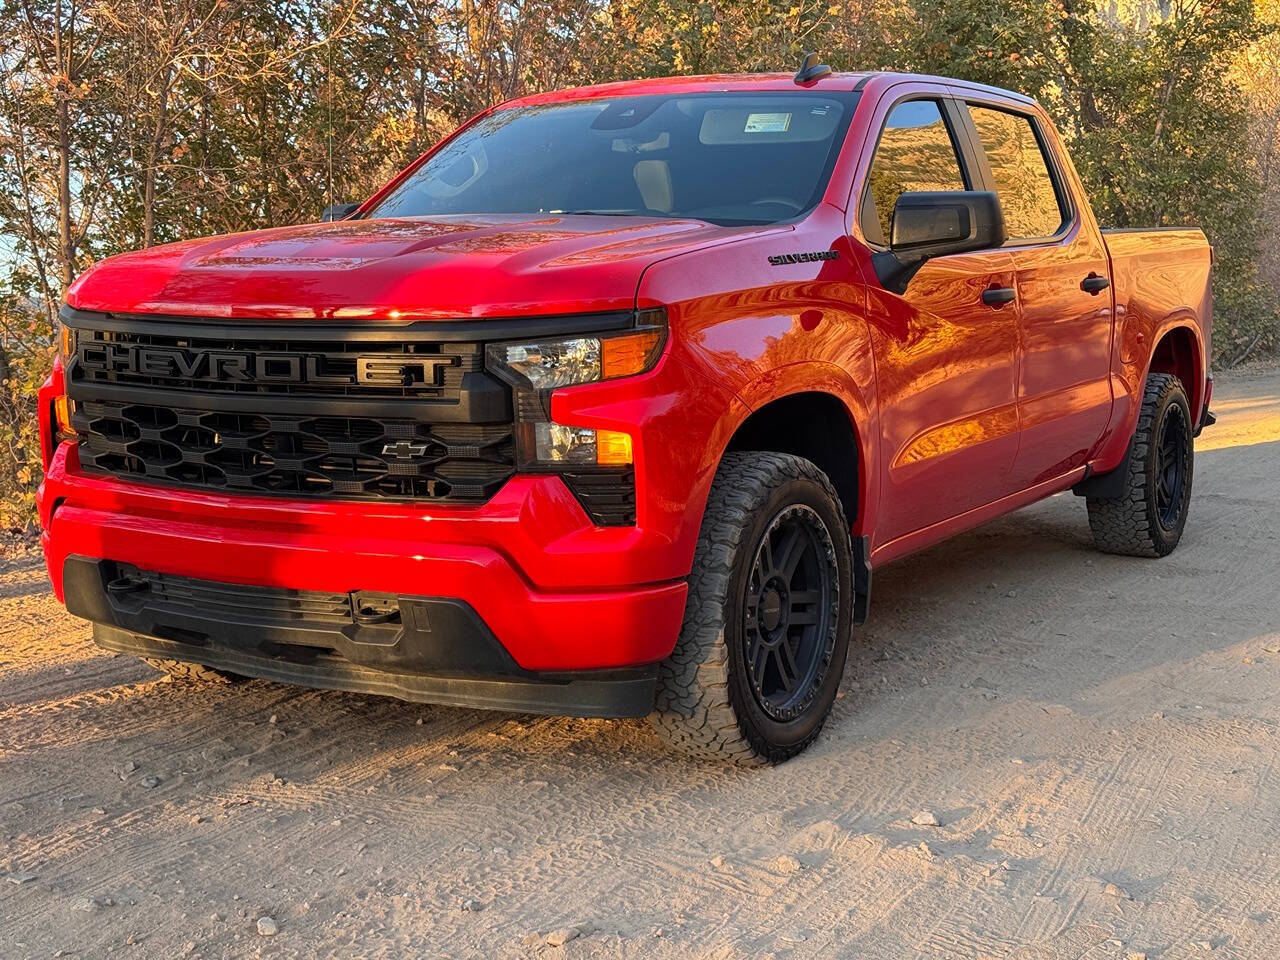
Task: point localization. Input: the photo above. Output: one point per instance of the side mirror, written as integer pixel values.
(339, 211)
(934, 223)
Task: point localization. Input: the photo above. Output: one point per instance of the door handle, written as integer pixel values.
(998, 296)
(1094, 284)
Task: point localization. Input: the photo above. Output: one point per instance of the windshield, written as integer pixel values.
(740, 158)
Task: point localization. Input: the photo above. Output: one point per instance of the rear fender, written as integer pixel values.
(1110, 465)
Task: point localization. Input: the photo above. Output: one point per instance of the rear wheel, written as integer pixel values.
(182, 670)
(1148, 518)
(766, 631)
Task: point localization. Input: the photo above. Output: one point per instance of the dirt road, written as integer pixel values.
(1099, 738)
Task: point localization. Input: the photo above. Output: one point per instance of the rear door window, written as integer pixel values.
(1023, 183)
(916, 152)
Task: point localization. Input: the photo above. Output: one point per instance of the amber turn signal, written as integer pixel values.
(631, 354)
(613, 449)
(62, 414)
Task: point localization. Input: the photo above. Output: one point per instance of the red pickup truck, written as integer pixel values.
(610, 404)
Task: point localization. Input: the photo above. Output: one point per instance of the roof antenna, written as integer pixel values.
(811, 69)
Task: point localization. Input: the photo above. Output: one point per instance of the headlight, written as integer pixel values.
(547, 364)
(63, 409)
(554, 443)
(538, 367)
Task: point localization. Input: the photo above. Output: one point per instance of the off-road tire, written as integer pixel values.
(706, 703)
(1134, 524)
(195, 672)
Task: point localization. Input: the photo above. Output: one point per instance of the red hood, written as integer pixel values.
(450, 267)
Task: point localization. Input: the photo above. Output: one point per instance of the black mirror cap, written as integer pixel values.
(934, 223)
(339, 211)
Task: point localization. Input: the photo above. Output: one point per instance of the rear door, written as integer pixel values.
(1065, 322)
(945, 360)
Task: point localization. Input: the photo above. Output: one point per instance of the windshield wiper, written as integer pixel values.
(601, 213)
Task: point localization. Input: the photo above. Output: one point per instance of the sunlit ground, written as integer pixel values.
(1243, 420)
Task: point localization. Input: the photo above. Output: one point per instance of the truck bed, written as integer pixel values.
(1159, 275)
(1160, 279)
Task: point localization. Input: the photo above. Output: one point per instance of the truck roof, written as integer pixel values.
(717, 83)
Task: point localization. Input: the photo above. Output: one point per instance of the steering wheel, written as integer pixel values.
(785, 201)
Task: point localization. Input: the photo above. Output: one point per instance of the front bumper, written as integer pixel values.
(621, 693)
(557, 593)
(432, 649)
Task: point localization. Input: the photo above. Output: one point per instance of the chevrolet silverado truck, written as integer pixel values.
(610, 403)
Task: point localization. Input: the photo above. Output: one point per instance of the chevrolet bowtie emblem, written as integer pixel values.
(404, 450)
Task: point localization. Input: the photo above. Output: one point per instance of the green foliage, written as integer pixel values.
(1013, 44)
(1156, 129)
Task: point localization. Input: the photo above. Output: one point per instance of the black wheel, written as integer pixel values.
(182, 670)
(766, 630)
(1148, 519)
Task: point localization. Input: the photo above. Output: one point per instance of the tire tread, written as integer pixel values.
(1126, 525)
(694, 711)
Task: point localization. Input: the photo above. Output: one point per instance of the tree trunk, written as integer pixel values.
(66, 242)
(153, 160)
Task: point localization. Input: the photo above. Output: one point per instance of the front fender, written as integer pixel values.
(859, 402)
(52, 388)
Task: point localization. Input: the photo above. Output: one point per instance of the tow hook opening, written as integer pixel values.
(369, 609)
(123, 586)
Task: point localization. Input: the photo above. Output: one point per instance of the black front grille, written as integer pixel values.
(323, 456)
(375, 412)
(306, 411)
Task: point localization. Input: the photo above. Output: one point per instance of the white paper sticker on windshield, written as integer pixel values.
(767, 123)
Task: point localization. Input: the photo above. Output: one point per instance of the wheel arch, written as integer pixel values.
(818, 415)
(1178, 351)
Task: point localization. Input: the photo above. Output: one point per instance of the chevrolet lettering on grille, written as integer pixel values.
(263, 367)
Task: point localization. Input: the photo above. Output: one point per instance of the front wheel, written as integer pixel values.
(1147, 519)
(766, 629)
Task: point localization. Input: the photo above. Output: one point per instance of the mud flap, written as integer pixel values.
(861, 579)
(1106, 486)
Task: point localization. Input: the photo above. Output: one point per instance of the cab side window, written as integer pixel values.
(916, 152)
(1022, 179)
